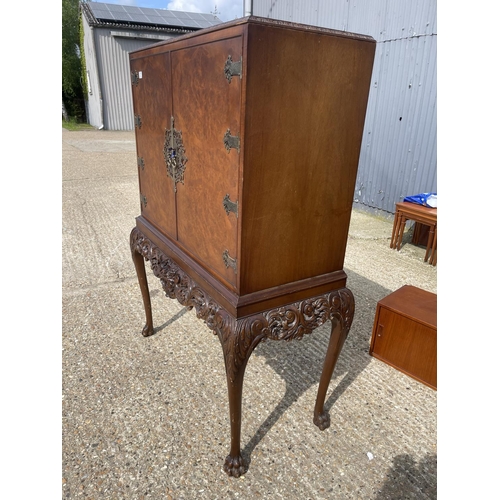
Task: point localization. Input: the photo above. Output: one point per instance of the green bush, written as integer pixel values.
(72, 89)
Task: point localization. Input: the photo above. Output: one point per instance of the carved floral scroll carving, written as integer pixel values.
(240, 337)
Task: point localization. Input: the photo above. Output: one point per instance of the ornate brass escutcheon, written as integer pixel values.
(232, 68)
(230, 206)
(174, 154)
(231, 141)
(229, 261)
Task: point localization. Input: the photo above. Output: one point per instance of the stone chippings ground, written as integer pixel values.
(148, 417)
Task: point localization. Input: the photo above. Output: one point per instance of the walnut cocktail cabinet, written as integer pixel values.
(248, 137)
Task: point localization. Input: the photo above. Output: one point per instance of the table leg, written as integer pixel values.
(430, 241)
(234, 464)
(337, 338)
(433, 257)
(143, 281)
(416, 233)
(238, 340)
(395, 228)
(401, 231)
(240, 337)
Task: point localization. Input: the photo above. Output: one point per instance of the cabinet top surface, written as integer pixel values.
(263, 21)
(413, 302)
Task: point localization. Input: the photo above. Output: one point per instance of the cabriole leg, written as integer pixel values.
(234, 464)
(143, 283)
(337, 338)
(238, 340)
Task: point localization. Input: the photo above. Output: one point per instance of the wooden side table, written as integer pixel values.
(405, 333)
(424, 215)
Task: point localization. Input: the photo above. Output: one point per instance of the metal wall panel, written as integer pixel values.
(314, 12)
(391, 19)
(382, 19)
(114, 73)
(398, 153)
(333, 14)
(399, 149)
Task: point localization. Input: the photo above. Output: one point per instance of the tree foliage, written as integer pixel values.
(72, 92)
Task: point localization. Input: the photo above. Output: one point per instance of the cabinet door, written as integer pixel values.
(407, 345)
(206, 105)
(153, 107)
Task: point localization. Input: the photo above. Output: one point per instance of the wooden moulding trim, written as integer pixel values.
(159, 47)
(290, 292)
(289, 298)
(193, 39)
(278, 23)
(247, 304)
(305, 284)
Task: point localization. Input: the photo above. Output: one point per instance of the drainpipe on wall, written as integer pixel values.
(247, 8)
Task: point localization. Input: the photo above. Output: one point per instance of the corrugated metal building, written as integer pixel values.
(399, 149)
(110, 33)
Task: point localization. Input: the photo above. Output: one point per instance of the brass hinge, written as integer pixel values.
(138, 121)
(230, 206)
(140, 162)
(229, 261)
(144, 201)
(136, 76)
(231, 141)
(232, 68)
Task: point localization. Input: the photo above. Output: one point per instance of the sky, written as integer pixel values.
(227, 10)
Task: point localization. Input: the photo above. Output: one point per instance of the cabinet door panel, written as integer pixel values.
(205, 106)
(407, 345)
(153, 103)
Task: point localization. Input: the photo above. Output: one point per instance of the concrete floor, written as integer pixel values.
(148, 417)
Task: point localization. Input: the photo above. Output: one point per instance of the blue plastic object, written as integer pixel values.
(425, 199)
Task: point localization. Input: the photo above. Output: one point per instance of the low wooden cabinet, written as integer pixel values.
(248, 138)
(405, 333)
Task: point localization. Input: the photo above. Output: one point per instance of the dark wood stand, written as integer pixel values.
(239, 337)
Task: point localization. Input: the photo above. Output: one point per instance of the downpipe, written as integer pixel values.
(247, 8)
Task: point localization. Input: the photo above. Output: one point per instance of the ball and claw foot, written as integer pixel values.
(322, 420)
(147, 331)
(234, 466)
